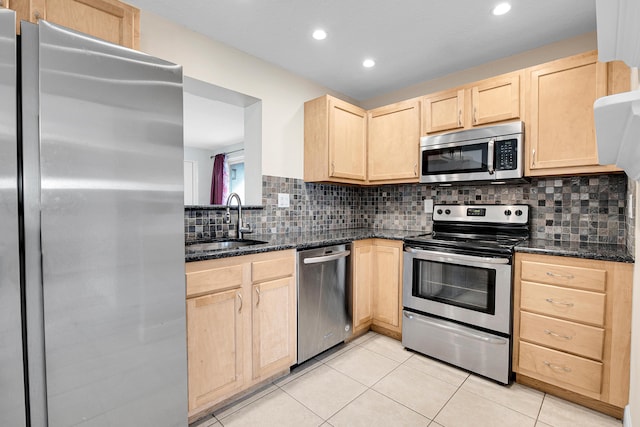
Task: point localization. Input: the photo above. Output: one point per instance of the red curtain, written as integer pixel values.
(217, 180)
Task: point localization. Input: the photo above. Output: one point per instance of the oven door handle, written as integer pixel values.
(452, 258)
(462, 332)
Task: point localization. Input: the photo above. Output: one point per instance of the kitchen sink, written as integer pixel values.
(222, 244)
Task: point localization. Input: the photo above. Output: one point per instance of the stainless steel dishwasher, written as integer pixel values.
(324, 290)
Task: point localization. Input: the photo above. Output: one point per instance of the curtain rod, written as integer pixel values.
(230, 152)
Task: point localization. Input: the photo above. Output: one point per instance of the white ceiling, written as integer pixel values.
(411, 40)
(210, 124)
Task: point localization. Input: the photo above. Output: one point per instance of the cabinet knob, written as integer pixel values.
(36, 15)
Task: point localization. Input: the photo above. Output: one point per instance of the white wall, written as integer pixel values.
(572, 46)
(205, 169)
(282, 93)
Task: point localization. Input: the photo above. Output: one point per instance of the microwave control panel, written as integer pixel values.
(506, 154)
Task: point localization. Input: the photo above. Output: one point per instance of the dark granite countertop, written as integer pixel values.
(300, 240)
(597, 251)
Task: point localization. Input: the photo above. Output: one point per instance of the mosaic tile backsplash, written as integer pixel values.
(578, 209)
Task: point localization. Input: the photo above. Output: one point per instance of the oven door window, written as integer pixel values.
(463, 286)
(463, 159)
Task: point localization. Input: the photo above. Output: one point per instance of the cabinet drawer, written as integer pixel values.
(564, 275)
(272, 269)
(562, 369)
(213, 280)
(570, 304)
(562, 335)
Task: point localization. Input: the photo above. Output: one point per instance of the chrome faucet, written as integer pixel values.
(240, 229)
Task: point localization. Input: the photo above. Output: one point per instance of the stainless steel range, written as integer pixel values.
(457, 287)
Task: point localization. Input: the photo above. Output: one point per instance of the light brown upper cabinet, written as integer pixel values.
(493, 100)
(496, 100)
(560, 128)
(344, 143)
(335, 141)
(110, 20)
(393, 143)
(444, 111)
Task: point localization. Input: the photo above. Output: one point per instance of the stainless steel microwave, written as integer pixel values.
(492, 153)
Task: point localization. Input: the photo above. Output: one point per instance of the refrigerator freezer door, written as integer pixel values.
(12, 404)
(111, 159)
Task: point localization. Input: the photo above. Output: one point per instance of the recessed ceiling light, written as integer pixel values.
(319, 34)
(368, 63)
(501, 9)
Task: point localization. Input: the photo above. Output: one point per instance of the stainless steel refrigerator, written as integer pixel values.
(92, 308)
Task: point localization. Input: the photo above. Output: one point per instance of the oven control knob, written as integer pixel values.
(447, 211)
(439, 211)
(518, 212)
(507, 212)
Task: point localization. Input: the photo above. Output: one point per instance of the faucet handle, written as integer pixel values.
(246, 229)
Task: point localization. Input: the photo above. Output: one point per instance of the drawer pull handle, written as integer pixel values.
(554, 334)
(552, 301)
(564, 276)
(557, 368)
(240, 297)
(258, 292)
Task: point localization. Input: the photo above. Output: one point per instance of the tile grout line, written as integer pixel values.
(544, 396)
(451, 397)
(248, 397)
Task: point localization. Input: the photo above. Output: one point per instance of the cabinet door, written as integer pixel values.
(394, 142)
(362, 264)
(496, 100)
(443, 111)
(214, 346)
(387, 284)
(110, 20)
(561, 135)
(274, 326)
(347, 140)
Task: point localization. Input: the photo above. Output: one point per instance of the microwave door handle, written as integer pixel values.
(490, 156)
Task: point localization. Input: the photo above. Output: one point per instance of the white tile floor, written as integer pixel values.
(374, 381)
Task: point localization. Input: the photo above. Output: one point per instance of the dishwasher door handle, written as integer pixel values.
(327, 258)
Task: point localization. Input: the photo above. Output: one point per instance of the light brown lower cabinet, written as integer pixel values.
(572, 329)
(377, 286)
(241, 325)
